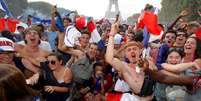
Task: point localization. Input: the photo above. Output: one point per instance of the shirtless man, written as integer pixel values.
(31, 53)
(128, 71)
(134, 75)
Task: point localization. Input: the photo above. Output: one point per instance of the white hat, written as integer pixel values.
(6, 45)
(118, 39)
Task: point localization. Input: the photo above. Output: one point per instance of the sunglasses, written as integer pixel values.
(52, 62)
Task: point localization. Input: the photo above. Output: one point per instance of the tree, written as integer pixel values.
(171, 9)
(16, 7)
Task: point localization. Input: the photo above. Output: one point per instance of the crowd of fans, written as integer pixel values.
(37, 64)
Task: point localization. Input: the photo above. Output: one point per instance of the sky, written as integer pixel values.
(97, 8)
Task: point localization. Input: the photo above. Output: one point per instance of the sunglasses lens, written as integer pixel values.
(53, 62)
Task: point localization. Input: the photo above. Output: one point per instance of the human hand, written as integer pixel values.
(33, 80)
(152, 65)
(53, 10)
(84, 90)
(115, 27)
(49, 89)
(184, 13)
(143, 64)
(197, 64)
(41, 59)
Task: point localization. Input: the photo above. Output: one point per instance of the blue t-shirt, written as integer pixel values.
(162, 55)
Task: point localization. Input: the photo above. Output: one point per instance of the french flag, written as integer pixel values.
(148, 21)
(82, 22)
(5, 9)
(87, 22)
(120, 97)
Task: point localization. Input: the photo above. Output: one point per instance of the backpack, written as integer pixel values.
(82, 70)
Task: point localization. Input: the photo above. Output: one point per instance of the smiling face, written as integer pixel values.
(181, 38)
(92, 51)
(174, 58)
(32, 37)
(190, 46)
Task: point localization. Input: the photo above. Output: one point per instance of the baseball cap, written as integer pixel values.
(6, 45)
(118, 39)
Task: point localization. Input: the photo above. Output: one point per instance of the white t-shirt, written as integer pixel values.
(121, 86)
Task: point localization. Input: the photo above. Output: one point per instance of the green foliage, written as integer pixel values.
(44, 8)
(171, 9)
(132, 19)
(16, 7)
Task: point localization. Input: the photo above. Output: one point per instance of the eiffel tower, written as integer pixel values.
(111, 15)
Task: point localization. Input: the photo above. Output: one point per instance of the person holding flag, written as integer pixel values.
(139, 73)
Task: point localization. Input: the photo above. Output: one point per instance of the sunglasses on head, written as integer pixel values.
(52, 62)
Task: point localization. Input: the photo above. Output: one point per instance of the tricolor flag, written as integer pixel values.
(83, 22)
(149, 22)
(121, 97)
(71, 36)
(5, 9)
(73, 32)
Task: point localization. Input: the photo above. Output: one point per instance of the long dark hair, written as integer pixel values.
(197, 53)
(58, 56)
(198, 48)
(13, 85)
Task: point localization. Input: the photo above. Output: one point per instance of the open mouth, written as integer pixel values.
(180, 39)
(188, 47)
(169, 41)
(133, 55)
(33, 39)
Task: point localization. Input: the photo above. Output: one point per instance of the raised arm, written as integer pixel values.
(182, 14)
(62, 47)
(109, 56)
